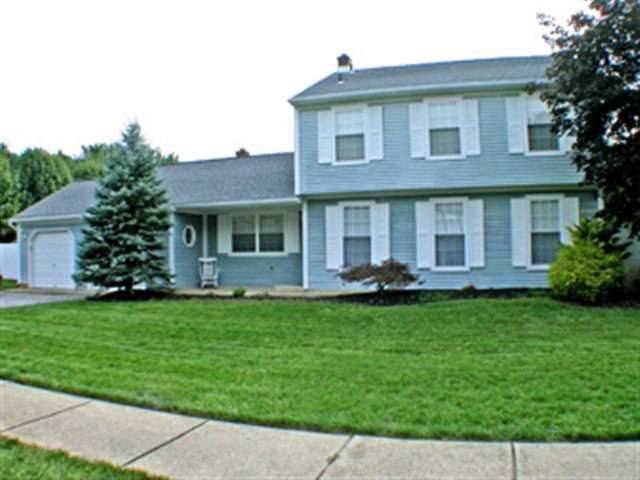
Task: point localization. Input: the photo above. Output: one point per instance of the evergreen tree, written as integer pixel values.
(122, 246)
(8, 200)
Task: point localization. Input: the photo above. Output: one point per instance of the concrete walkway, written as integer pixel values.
(19, 298)
(188, 447)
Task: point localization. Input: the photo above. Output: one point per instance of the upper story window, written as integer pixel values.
(540, 137)
(449, 235)
(444, 128)
(257, 233)
(357, 236)
(350, 135)
(529, 127)
(545, 231)
(349, 142)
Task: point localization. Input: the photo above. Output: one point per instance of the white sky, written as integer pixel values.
(204, 78)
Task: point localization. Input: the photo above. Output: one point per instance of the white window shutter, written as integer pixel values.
(519, 232)
(566, 143)
(381, 242)
(516, 128)
(373, 133)
(333, 226)
(224, 234)
(570, 217)
(471, 127)
(418, 128)
(474, 229)
(292, 232)
(424, 234)
(326, 136)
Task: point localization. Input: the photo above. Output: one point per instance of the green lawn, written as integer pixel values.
(22, 462)
(6, 284)
(527, 368)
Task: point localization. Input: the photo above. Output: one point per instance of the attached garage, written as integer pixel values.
(51, 259)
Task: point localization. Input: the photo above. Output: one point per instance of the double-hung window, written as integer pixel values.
(540, 137)
(357, 235)
(545, 231)
(349, 143)
(444, 129)
(449, 235)
(271, 228)
(257, 234)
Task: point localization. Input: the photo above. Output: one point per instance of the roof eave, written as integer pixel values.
(391, 92)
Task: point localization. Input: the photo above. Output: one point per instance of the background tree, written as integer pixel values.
(92, 162)
(122, 246)
(594, 96)
(40, 174)
(8, 200)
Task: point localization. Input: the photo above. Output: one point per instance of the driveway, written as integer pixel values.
(18, 299)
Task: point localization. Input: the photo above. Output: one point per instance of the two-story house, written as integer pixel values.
(449, 167)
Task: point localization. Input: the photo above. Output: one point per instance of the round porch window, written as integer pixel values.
(189, 236)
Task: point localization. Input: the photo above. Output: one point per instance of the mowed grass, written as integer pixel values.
(529, 369)
(23, 462)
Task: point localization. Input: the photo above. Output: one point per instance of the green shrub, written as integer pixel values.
(584, 272)
(239, 292)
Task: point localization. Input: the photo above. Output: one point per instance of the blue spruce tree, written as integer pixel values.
(123, 243)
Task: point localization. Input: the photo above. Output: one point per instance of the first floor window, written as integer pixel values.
(545, 231)
(357, 236)
(444, 129)
(271, 233)
(244, 234)
(449, 235)
(257, 233)
(350, 135)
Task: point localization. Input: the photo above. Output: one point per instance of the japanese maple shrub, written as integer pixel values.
(389, 274)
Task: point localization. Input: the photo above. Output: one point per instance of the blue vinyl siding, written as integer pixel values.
(497, 273)
(27, 231)
(186, 258)
(254, 271)
(495, 167)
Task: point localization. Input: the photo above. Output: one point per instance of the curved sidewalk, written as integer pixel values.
(189, 447)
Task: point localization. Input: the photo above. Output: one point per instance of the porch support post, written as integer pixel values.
(205, 235)
(172, 245)
(305, 245)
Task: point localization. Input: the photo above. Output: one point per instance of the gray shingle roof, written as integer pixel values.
(413, 79)
(255, 178)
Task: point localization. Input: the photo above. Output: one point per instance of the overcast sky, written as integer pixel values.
(204, 78)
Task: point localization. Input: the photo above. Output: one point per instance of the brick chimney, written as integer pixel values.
(242, 153)
(344, 63)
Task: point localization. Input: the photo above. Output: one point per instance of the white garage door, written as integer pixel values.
(52, 260)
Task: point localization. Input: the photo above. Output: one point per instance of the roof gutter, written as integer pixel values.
(390, 92)
(54, 218)
(241, 203)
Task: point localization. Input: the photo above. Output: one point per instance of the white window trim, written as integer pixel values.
(344, 108)
(462, 268)
(542, 196)
(257, 252)
(459, 105)
(194, 236)
(359, 203)
(525, 121)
